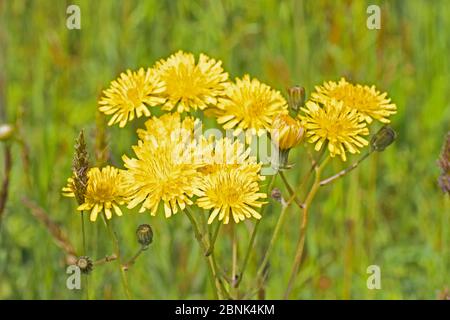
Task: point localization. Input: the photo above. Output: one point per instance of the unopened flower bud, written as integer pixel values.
(6, 131)
(296, 98)
(85, 264)
(382, 139)
(276, 195)
(144, 235)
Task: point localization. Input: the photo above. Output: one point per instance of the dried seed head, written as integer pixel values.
(444, 164)
(80, 167)
(85, 264)
(6, 131)
(296, 98)
(144, 235)
(382, 139)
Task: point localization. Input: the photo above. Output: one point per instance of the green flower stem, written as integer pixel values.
(134, 258)
(115, 242)
(346, 170)
(253, 236)
(83, 233)
(220, 291)
(213, 239)
(274, 238)
(106, 259)
(291, 190)
(303, 224)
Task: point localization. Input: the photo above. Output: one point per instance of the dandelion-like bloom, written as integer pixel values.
(368, 101)
(131, 94)
(231, 192)
(168, 127)
(249, 104)
(160, 174)
(223, 154)
(286, 132)
(336, 124)
(105, 191)
(230, 181)
(190, 85)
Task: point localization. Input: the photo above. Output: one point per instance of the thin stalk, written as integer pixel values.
(216, 282)
(345, 171)
(105, 260)
(253, 236)
(274, 238)
(134, 258)
(234, 250)
(304, 222)
(291, 190)
(213, 239)
(122, 271)
(83, 232)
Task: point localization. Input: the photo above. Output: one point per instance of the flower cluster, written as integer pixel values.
(172, 168)
(337, 114)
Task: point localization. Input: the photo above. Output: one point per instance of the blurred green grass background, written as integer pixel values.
(390, 212)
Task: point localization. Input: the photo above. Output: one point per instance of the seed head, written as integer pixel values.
(85, 264)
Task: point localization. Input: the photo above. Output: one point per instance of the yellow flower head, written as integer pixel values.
(232, 192)
(370, 103)
(230, 181)
(168, 128)
(223, 153)
(340, 126)
(286, 132)
(105, 191)
(160, 174)
(132, 93)
(249, 104)
(190, 85)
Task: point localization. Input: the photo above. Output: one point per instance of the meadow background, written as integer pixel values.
(390, 212)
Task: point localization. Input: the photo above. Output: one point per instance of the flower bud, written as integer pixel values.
(286, 132)
(296, 98)
(382, 139)
(144, 235)
(276, 195)
(6, 131)
(85, 264)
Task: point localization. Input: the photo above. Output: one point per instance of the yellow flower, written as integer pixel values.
(230, 181)
(105, 191)
(249, 104)
(286, 132)
(232, 191)
(132, 93)
(340, 126)
(190, 85)
(159, 173)
(168, 127)
(223, 153)
(369, 102)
